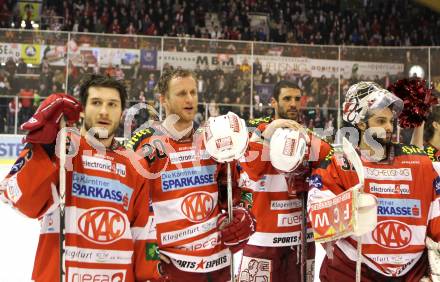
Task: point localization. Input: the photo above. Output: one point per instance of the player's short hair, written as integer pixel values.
(163, 84)
(99, 80)
(284, 84)
(429, 128)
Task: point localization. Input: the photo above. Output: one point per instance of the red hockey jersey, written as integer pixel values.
(105, 216)
(407, 188)
(278, 214)
(432, 152)
(185, 199)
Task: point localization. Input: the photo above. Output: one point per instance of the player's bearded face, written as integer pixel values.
(288, 104)
(103, 112)
(182, 98)
(380, 121)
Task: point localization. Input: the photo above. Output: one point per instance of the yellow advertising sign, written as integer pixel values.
(30, 53)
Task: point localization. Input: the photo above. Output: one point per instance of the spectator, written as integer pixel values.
(119, 73)
(326, 22)
(56, 88)
(22, 67)
(213, 109)
(216, 33)
(245, 67)
(312, 22)
(44, 92)
(10, 66)
(115, 28)
(13, 109)
(26, 99)
(4, 90)
(110, 70)
(131, 29)
(150, 84)
(257, 66)
(37, 100)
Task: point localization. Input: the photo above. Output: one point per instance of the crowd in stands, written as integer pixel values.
(219, 90)
(320, 22)
(342, 22)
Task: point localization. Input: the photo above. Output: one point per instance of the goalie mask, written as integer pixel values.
(368, 96)
(287, 149)
(226, 137)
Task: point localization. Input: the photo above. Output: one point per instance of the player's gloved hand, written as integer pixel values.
(43, 126)
(281, 123)
(239, 230)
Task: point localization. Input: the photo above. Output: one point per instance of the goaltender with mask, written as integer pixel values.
(402, 179)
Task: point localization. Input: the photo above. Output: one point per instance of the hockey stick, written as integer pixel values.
(62, 185)
(354, 159)
(230, 210)
(304, 238)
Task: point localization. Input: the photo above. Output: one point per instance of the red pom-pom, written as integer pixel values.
(417, 100)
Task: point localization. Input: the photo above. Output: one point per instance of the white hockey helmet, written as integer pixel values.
(368, 96)
(226, 137)
(288, 148)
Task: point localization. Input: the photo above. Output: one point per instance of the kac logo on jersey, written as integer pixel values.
(100, 189)
(315, 181)
(399, 207)
(198, 206)
(392, 234)
(188, 178)
(102, 225)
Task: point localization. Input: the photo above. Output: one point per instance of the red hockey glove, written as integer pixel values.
(43, 126)
(241, 228)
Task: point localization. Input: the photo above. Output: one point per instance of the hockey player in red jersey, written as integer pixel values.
(404, 182)
(185, 193)
(427, 136)
(432, 135)
(105, 199)
(276, 198)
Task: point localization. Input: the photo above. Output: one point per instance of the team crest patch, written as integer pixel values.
(436, 185)
(255, 270)
(315, 181)
(20, 162)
